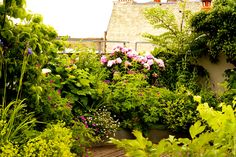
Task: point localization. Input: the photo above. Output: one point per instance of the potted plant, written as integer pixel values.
(206, 5)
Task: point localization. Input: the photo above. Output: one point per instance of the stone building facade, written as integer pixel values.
(127, 23)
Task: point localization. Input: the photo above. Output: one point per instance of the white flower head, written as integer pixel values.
(45, 71)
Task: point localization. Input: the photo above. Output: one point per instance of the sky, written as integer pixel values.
(76, 18)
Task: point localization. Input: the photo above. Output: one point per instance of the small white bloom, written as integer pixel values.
(45, 71)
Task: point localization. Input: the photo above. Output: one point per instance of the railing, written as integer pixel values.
(102, 44)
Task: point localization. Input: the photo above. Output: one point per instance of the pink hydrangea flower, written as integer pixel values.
(142, 59)
(118, 60)
(117, 48)
(103, 59)
(149, 56)
(150, 62)
(130, 54)
(160, 63)
(136, 58)
(124, 50)
(147, 66)
(110, 63)
(129, 50)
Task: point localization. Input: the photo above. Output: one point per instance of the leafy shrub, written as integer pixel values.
(34, 41)
(179, 110)
(217, 30)
(176, 110)
(82, 86)
(229, 95)
(8, 149)
(55, 140)
(140, 106)
(216, 141)
(126, 98)
(83, 138)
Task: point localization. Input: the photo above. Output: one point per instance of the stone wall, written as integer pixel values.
(216, 71)
(127, 23)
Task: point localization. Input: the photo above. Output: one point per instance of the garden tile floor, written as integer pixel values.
(107, 151)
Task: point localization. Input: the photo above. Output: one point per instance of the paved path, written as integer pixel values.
(107, 151)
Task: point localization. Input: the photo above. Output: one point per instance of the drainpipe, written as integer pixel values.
(105, 42)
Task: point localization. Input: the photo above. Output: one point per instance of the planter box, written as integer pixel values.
(154, 135)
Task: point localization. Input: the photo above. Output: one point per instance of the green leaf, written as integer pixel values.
(196, 129)
(84, 82)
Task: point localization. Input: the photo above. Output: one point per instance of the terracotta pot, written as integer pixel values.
(206, 8)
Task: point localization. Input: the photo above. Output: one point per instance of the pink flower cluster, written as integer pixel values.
(87, 121)
(109, 63)
(146, 60)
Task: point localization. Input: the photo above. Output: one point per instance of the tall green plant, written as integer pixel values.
(14, 122)
(29, 39)
(175, 46)
(176, 34)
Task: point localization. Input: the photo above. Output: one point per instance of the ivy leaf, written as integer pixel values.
(196, 129)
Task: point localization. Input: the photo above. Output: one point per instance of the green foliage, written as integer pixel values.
(139, 106)
(230, 84)
(231, 78)
(9, 150)
(12, 8)
(126, 91)
(83, 138)
(79, 81)
(140, 147)
(56, 140)
(25, 48)
(216, 141)
(176, 35)
(126, 98)
(179, 109)
(52, 106)
(177, 47)
(14, 123)
(216, 29)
